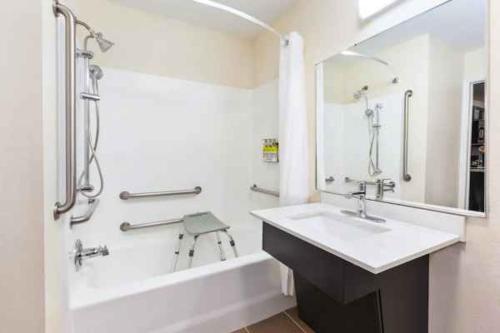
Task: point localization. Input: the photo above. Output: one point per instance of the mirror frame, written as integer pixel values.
(318, 68)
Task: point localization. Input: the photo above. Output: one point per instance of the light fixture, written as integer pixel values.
(368, 8)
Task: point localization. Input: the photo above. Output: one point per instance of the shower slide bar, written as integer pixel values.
(406, 130)
(126, 226)
(70, 108)
(255, 188)
(127, 195)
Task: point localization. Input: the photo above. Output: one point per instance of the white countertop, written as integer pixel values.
(391, 244)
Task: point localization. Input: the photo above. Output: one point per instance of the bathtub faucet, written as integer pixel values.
(83, 254)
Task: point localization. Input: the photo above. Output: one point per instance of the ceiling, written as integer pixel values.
(460, 23)
(195, 13)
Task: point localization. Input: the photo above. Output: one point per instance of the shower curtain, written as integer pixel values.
(293, 128)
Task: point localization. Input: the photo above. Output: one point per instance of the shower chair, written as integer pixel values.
(200, 224)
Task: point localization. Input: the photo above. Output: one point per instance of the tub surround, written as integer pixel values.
(353, 275)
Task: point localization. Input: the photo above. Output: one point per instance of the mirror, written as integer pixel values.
(404, 112)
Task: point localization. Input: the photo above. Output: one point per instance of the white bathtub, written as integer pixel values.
(132, 291)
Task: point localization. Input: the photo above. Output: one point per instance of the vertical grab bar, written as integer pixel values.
(70, 106)
(406, 120)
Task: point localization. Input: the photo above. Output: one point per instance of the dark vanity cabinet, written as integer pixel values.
(334, 295)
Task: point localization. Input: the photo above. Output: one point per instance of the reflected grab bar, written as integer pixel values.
(406, 129)
(126, 226)
(70, 106)
(255, 188)
(127, 195)
(351, 180)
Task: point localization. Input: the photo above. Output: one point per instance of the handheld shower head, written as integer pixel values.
(96, 72)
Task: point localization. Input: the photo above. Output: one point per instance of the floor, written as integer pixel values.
(285, 322)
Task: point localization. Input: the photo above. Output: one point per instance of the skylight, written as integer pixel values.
(368, 8)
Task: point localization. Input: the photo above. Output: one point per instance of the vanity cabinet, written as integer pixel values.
(335, 295)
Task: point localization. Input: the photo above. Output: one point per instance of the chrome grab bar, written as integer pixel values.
(70, 105)
(330, 179)
(255, 188)
(93, 203)
(126, 226)
(406, 121)
(127, 195)
(351, 180)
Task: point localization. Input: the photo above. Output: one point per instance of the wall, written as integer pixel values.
(21, 170)
(446, 77)
(155, 136)
(151, 43)
(465, 281)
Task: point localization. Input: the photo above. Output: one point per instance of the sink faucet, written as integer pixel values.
(361, 211)
(83, 254)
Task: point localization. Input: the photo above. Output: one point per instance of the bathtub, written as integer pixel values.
(132, 291)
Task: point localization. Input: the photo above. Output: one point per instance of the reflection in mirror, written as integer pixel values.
(405, 112)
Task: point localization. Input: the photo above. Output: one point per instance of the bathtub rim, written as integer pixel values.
(86, 296)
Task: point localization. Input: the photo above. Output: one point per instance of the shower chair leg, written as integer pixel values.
(191, 252)
(177, 251)
(232, 243)
(221, 250)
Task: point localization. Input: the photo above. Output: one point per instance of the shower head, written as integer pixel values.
(103, 43)
(96, 72)
(360, 93)
(369, 112)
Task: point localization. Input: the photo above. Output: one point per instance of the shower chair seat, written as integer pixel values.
(199, 224)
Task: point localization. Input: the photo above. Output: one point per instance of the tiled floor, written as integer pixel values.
(285, 322)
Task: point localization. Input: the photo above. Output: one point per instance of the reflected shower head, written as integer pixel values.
(103, 43)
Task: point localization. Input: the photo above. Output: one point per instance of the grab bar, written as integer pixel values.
(255, 188)
(70, 105)
(93, 203)
(351, 180)
(127, 195)
(126, 226)
(406, 125)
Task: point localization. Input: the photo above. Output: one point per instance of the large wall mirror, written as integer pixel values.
(405, 112)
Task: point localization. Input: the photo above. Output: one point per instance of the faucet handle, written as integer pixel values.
(104, 250)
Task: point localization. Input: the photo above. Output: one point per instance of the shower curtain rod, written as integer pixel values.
(243, 15)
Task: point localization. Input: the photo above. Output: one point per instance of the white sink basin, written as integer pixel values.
(373, 246)
(335, 225)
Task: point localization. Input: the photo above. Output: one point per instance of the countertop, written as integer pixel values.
(394, 242)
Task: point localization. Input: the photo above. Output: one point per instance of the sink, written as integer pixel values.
(334, 225)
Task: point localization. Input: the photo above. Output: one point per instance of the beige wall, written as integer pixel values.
(446, 75)
(21, 173)
(152, 43)
(465, 279)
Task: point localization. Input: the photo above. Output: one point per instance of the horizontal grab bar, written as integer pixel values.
(126, 226)
(350, 180)
(255, 188)
(127, 195)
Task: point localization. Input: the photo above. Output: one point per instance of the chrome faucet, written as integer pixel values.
(384, 185)
(361, 211)
(81, 254)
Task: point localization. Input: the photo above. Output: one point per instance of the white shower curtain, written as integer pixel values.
(293, 128)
